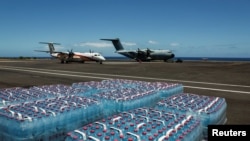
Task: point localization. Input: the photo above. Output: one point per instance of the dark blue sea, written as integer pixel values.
(192, 58)
(213, 59)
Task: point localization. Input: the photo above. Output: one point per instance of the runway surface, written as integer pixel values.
(229, 80)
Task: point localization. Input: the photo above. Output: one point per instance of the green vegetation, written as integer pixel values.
(20, 57)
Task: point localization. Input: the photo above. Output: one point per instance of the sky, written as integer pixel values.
(189, 28)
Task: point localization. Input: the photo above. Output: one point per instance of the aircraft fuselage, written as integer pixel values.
(154, 55)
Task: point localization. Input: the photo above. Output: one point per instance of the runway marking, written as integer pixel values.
(139, 77)
(73, 75)
(222, 90)
(56, 73)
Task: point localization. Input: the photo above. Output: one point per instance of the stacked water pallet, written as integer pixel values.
(140, 124)
(18, 95)
(47, 119)
(210, 110)
(49, 112)
(119, 95)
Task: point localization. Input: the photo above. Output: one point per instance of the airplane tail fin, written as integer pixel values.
(51, 46)
(116, 42)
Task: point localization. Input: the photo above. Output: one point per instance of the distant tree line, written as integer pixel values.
(20, 57)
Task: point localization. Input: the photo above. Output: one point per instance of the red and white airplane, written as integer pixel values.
(70, 56)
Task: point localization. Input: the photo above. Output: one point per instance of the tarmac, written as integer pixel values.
(229, 80)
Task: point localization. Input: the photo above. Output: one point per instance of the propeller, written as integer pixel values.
(91, 51)
(148, 51)
(71, 54)
(139, 52)
(143, 54)
(139, 55)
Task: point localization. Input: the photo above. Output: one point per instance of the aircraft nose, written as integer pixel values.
(102, 58)
(172, 55)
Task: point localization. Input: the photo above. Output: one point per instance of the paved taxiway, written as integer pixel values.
(223, 79)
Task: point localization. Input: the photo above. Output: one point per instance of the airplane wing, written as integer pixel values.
(64, 53)
(42, 51)
(131, 52)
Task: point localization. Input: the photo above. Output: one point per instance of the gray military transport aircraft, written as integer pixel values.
(142, 54)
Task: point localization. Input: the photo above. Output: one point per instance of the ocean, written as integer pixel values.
(214, 59)
(192, 58)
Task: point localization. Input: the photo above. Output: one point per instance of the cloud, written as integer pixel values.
(95, 44)
(128, 44)
(174, 44)
(152, 42)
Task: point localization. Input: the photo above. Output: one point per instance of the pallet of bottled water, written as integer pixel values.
(18, 95)
(163, 89)
(47, 119)
(119, 95)
(209, 109)
(140, 124)
(49, 112)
